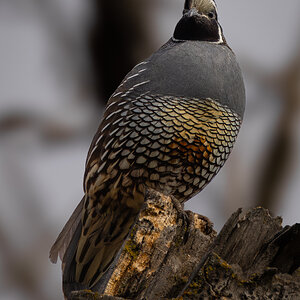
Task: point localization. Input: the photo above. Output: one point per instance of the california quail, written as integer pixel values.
(170, 126)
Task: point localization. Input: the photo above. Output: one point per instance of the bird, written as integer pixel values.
(169, 126)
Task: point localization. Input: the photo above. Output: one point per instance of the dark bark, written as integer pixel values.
(171, 253)
(252, 258)
(279, 161)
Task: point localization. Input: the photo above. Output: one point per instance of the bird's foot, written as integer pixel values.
(186, 217)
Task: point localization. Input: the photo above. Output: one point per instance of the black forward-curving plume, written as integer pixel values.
(170, 126)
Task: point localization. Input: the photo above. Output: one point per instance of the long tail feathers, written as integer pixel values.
(69, 265)
(64, 238)
(83, 269)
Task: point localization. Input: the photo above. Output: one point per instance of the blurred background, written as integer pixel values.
(60, 60)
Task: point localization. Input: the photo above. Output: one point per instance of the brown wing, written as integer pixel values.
(172, 144)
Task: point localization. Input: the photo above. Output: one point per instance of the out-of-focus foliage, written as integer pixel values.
(59, 61)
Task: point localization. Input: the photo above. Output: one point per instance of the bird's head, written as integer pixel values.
(199, 22)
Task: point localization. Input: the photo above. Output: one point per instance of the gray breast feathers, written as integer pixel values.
(193, 69)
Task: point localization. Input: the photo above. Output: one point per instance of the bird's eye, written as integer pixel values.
(211, 15)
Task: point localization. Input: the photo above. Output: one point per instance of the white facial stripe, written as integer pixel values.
(220, 35)
(220, 41)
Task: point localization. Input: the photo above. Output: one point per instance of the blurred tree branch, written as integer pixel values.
(280, 155)
(118, 39)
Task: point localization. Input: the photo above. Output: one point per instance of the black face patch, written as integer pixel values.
(198, 27)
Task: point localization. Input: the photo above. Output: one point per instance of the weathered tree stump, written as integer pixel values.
(171, 254)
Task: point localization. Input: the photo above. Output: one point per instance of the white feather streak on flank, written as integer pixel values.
(117, 121)
(121, 103)
(99, 138)
(95, 147)
(141, 95)
(105, 127)
(116, 94)
(103, 155)
(142, 70)
(132, 88)
(141, 83)
(91, 153)
(132, 76)
(121, 84)
(109, 142)
(114, 112)
(114, 131)
(111, 104)
(141, 63)
(127, 92)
